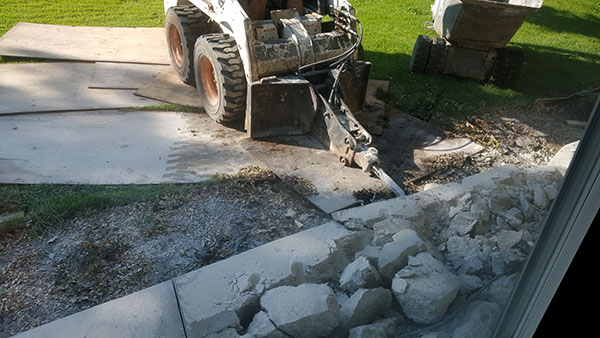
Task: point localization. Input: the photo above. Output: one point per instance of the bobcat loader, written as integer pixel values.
(283, 71)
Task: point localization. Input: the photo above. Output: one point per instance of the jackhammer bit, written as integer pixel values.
(368, 160)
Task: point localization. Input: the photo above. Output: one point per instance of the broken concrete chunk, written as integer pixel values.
(465, 223)
(469, 283)
(262, 327)
(436, 335)
(365, 306)
(384, 328)
(371, 253)
(471, 266)
(305, 311)
(384, 230)
(504, 262)
(228, 333)
(374, 212)
(370, 213)
(359, 274)
(544, 174)
(551, 191)
(487, 179)
(394, 255)
(499, 201)
(429, 290)
(463, 249)
(563, 157)
(539, 196)
(480, 320)
(500, 290)
(507, 239)
(450, 193)
(513, 217)
(220, 322)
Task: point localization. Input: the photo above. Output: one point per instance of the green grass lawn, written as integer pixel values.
(561, 43)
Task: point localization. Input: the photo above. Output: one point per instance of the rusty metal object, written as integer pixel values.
(477, 23)
(280, 106)
(473, 32)
(353, 84)
(175, 45)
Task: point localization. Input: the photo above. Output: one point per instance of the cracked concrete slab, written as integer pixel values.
(207, 294)
(152, 312)
(303, 158)
(58, 86)
(117, 147)
(83, 43)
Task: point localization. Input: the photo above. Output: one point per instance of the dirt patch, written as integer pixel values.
(523, 136)
(103, 255)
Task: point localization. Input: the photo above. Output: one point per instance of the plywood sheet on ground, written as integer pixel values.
(408, 146)
(108, 75)
(114, 147)
(83, 43)
(312, 171)
(167, 87)
(58, 86)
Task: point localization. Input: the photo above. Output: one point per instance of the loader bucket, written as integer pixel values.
(481, 23)
(280, 106)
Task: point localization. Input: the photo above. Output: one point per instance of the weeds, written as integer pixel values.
(48, 206)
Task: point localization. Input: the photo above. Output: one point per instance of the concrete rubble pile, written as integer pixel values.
(439, 263)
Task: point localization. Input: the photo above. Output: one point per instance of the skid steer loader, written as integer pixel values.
(281, 72)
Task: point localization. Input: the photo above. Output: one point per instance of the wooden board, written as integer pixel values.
(60, 86)
(167, 87)
(83, 43)
(117, 147)
(131, 76)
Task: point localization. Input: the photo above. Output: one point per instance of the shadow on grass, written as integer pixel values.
(546, 72)
(562, 21)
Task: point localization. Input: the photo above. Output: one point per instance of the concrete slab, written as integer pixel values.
(152, 312)
(167, 87)
(209, 296)
(82, 43)
(107, 75)
(303, 157)
(116, 147)
(61, 86)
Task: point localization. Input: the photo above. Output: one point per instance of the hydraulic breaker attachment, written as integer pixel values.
(337, 129)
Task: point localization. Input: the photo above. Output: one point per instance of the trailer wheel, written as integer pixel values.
(507, 67)
(437, 56)
(220, 77)
(181, 28)
(420, 54)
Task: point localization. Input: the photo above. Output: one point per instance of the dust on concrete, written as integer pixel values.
(104, 255)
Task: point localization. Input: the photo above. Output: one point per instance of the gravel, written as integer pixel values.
(107, 254)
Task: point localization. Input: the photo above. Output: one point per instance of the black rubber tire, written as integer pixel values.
(226, 101)
(420, 54)
(507, 67)
(437, 56)
(186, 21)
